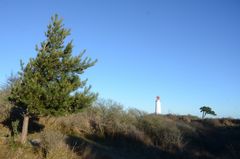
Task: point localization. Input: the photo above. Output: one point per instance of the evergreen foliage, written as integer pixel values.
(207, 110)
(49, 84)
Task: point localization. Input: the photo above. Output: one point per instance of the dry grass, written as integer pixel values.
(14, 150)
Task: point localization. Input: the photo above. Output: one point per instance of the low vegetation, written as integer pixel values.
(106, 130)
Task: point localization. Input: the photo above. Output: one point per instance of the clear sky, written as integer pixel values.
(186, 51)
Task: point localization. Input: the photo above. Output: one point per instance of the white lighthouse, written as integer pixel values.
(158, 105)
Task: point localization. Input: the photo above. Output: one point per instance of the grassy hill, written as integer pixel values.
(106, 131)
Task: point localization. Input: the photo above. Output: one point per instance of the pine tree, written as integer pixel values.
(207, 110)
(49, 84)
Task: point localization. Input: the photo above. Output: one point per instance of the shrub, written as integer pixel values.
(106, 119)
(109, 120)
(212, 122)
(5, 105)
(54, 147)
(162, 131)
(5, 91)
(15, 125)
(75, 124)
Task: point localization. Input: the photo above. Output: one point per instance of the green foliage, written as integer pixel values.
(49, 84)
(207, 110)
(15, 125)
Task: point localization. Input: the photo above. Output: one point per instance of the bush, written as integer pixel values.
(15, 125)
(75, 124)
(5, 105)
(5, 91)
(54, 147)
(108, 119)
(162, 131)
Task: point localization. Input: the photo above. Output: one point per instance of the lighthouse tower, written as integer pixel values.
(157, 105)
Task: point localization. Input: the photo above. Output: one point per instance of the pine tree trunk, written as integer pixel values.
(24, 129)
(203, 115)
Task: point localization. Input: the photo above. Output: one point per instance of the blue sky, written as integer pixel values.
(186, 51)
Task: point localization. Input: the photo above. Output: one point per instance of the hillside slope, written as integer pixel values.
(109, 132)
